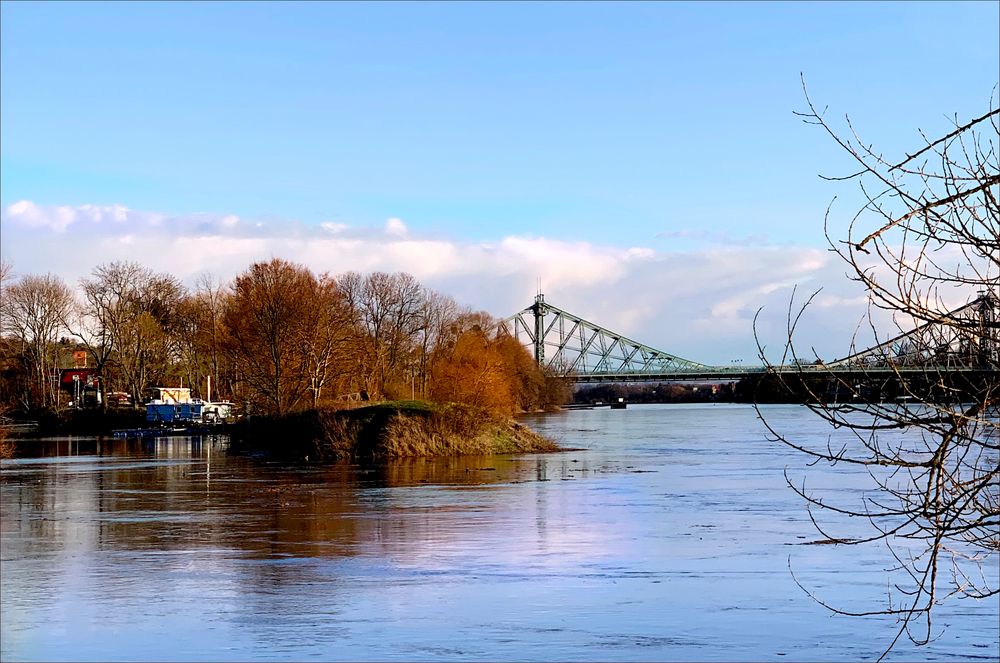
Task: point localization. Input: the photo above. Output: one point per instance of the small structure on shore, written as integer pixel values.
(174, 405)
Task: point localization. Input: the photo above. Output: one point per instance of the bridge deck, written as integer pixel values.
(751, 371)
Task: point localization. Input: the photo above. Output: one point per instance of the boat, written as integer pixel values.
(173, 406)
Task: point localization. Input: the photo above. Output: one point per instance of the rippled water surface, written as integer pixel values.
(671, 534)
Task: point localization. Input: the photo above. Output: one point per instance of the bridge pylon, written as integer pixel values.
(538, 310)
(987, 307)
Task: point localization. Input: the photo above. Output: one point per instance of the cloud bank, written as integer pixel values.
(696, 303)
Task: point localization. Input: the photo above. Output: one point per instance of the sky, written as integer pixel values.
(640, 162)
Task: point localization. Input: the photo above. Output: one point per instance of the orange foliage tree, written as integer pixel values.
(477, 366)
(472, 371)
(281, 329)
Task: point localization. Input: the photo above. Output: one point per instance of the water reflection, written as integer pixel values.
(182, 493)
(669, 536)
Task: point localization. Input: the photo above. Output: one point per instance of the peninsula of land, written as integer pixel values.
(386, 431)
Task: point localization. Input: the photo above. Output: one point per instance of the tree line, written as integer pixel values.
(276, 339)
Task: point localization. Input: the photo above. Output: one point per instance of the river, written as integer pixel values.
(669, 535)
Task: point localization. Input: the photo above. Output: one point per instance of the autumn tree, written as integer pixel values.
(280, 338)
(475, 363)
(283, 327)
(211, 296)
(189, 362)
(925, 246)
(471, 369)
(527, 381)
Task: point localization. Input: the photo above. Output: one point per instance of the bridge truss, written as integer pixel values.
(572, 346)
(965, 339)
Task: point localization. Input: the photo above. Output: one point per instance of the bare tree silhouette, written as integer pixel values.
(925, 245)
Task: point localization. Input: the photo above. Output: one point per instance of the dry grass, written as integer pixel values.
(451, 434)
(7, 446)
(399, 429)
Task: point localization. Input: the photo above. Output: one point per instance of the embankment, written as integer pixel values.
(386, 431)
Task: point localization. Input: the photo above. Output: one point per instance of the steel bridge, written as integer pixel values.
(966, 339)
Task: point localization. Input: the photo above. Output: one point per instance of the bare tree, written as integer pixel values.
(324, 336)
(97, 322)
(5, 270)
(211, 295)
(144, 350)
(125, 322)
(34, 309)
(7, 447)
(919, 408)
(437, 312)
(387, 318)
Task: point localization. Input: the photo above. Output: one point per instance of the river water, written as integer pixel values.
(669, 535)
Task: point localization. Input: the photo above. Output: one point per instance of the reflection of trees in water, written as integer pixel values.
(179, 447)
(454, 470)
(178, 493)
(187, 503)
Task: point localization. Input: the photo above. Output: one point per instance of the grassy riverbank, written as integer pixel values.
(7, 446)
(394, 429)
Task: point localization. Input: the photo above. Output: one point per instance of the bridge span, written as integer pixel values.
(965, 340)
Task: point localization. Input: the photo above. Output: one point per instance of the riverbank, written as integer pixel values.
(92, 421)
(46, 423)
(386, 431)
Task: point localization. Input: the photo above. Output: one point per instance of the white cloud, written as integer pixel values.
(333, 228)
(395, 228)
(696, 303)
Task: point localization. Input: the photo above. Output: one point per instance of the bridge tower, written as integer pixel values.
(986, 310)
(539, 309)
(572, 346)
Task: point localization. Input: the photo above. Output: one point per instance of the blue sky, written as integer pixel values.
(666, 127)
